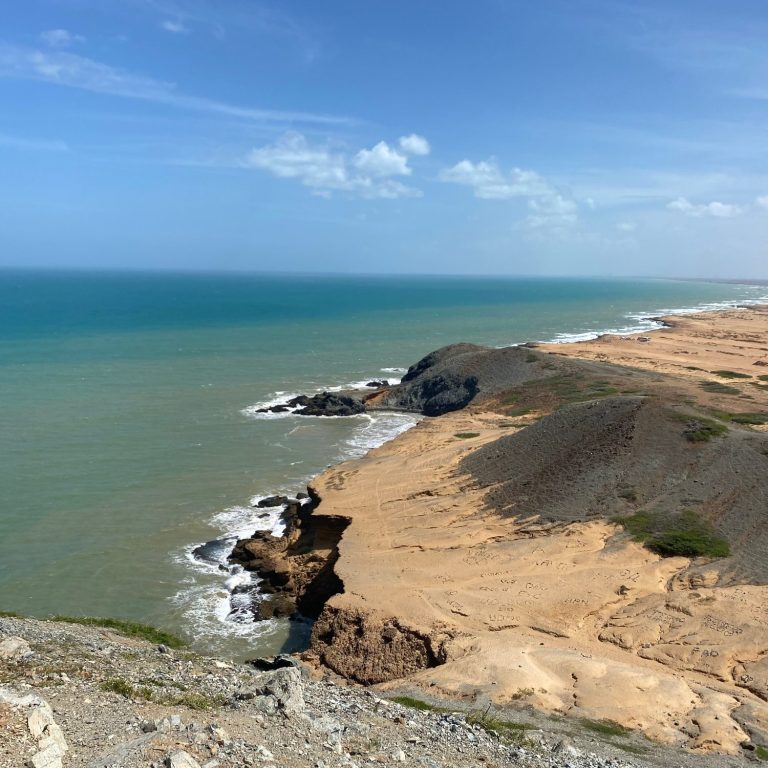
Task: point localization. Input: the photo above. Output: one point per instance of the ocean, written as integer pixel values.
(127, 424)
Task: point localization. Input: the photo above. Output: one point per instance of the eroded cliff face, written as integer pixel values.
(369, 647)
(297, 568)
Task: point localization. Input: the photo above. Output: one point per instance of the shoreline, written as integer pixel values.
(399, 631)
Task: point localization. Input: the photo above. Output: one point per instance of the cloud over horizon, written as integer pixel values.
(367, 174)
(715, 209)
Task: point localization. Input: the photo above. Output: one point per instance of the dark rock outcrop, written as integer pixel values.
(452, 377)
(324, 404)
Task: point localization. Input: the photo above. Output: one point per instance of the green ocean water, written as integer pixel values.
(126, 438)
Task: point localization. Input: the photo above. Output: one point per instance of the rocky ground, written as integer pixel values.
(86, 696)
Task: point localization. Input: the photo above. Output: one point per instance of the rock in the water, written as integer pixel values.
(378, 383)
(329, 404)
(272, 501)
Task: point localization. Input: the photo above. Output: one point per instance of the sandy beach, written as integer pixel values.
(447, 591)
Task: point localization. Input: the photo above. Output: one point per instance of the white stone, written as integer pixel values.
(50, 757)
(286, 686)
(264, 754)
(181, 759)
(14, 648)
(39, 719)
(398, 756)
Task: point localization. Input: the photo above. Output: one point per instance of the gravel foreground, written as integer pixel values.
(74, 695)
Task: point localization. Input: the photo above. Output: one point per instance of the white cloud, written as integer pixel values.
(317, 167)
(548, 207)
(715, 209)
(626, 226)
(174, 27)
(762, 202)
(381, 161)
(60, 38)
(73, 71)
(489, 183)
(552, 211)
(414, 145)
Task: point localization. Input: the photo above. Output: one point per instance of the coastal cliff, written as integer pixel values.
(584, 535)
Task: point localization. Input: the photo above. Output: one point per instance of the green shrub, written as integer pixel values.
(408, 701)
(683, 535)
(719, 389)
(606, 727)
(128, 628)
(119, 686)
(731, 375)
(741, 418)
(761, 753)
(630, 494)
(466, 435)
(700, 430)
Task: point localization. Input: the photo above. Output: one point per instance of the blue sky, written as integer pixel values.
(557, 137)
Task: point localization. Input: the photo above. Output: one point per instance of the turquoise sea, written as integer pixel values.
(125, 431)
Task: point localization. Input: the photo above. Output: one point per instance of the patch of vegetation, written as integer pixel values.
(630, 494)
(693, 368)
(517, 412)
(547, 394)
(719, 389)
(606, 727)
(409, 701)
(531, 357)
(522, 693)
(633, 749)
(466, 435)
(763, 377)
(683, 535)
(731, 375)
(743, 418)
(761, 753)
(119, 686)
(198, 701)
(128, 628)
(10, 615)
(511, 732)
(700, 430)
